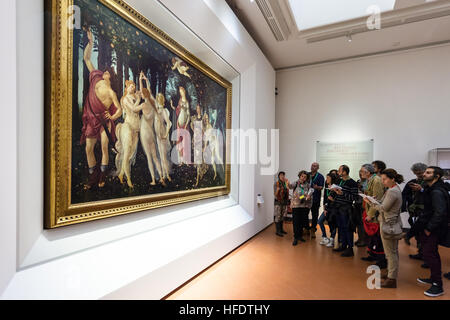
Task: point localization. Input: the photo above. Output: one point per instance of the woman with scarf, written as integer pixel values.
(281, 193)
(301, 203)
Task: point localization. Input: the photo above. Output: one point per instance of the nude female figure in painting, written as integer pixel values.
(148, 137)
(183, 118)
(128, 132)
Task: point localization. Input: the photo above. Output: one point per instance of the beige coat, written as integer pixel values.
(390, 206)
(375, 189)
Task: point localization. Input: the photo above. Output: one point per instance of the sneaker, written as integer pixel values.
(424, 280)
(324, 241)
(295, 242)
(330, 243)
(434, 291)
(302, 240)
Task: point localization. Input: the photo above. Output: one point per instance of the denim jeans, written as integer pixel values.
(333, 230)
(332, 217)
(321, 225)
(332, 227)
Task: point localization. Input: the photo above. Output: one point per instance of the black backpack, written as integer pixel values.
(447, 186)
(445, 241)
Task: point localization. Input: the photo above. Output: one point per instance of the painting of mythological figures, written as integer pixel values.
(133, 120)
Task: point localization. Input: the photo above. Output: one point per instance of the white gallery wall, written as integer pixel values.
(8, 191)
(144, 255)
(401, 100)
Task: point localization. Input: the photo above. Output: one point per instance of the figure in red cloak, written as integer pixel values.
(101, 109)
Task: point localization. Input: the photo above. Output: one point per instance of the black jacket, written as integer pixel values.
(412, 197)
(435, 215)
(327, 204)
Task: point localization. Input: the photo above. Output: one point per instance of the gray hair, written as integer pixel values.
(369, 167)
(421, 167)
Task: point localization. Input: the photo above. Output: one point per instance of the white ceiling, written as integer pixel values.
(297, 51)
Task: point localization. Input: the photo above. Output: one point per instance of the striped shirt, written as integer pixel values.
(350, 192)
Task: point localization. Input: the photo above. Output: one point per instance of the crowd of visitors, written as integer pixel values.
(371, 208)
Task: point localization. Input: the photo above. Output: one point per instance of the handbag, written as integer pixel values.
(444, 240)
(394, 230)
(371, 228)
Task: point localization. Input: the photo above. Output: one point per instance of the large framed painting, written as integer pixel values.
(133, 120)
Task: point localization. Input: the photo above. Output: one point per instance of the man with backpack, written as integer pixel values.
(432, 227)
(413, 204)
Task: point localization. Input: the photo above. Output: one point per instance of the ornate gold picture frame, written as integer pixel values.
(118, 93)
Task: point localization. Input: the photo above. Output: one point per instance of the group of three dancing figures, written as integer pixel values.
(102, 108)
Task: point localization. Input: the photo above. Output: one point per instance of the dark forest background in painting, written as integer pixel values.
(128, 51)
